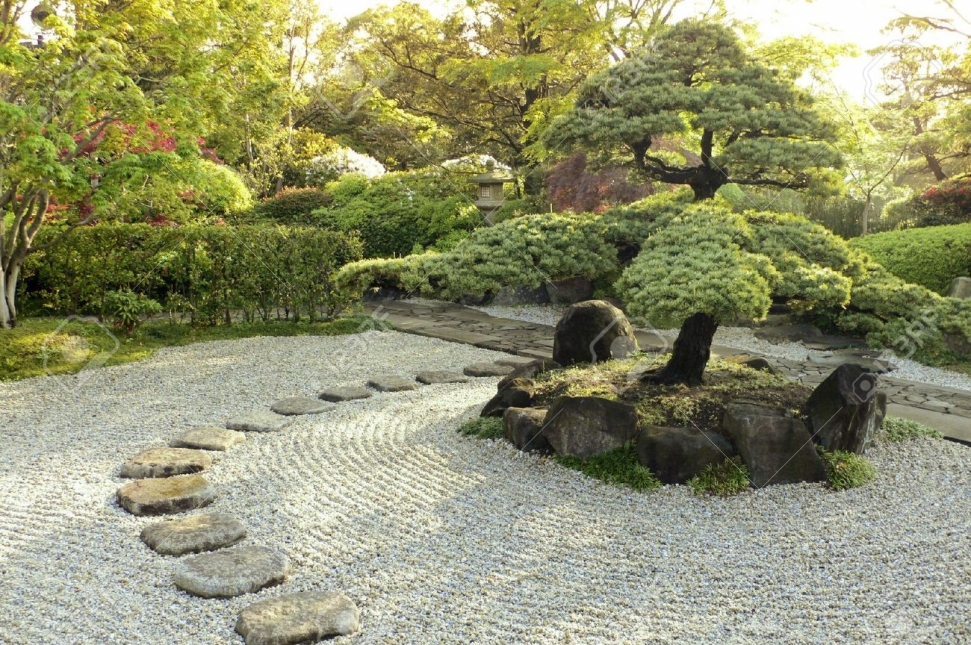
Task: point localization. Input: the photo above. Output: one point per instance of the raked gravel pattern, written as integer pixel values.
(743, 338)
(443, 539)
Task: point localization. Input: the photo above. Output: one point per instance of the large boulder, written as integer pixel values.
(846, 410)
(517, 393)
(587, 426)
(522, 428)
(675, 455)
(960, 288)
(775, 446)
(569, 291)
(592, 331)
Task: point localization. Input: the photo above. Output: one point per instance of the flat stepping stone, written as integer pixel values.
(392, 384)
(167, 495)
(193, 534)
(341, 394)
(488, 369)
(433, 377)
(514, 361)
(295, 618)
(166, 462)
(233, 572)
(208, 438)
(259, 422)
(297, 405)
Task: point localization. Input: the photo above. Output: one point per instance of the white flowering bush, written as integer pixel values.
(340, 161)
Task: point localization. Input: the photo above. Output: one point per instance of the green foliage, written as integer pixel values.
(125, 309)
(205, 272)
(945, 204)
(293, 206)
(931, 257)
(897, 430)
(483, 428)
(618, 467)
(726, 479)
(846, 469)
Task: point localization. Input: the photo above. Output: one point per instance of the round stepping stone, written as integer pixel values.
(433, 377)
(168, 495)
(298, 618)
(488, 369)
(392, 384)
(259, 422)
(208, 438)
(297, 405)
(166, 462)
(341, 394)
(193, 534)
(232, 572)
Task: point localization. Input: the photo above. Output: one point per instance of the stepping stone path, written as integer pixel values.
(342, 394)
(392, 384)
(232, 572)
(488, 369)
(433, 377)
(297, 405)
(259, 422)
(168, 495)
(298, 618)
(166, 462)
(208, 438)
(193, 534)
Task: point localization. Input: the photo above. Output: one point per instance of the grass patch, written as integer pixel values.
(847, 469)
(897, 430)
(483, 428)
(726, 479)
(41, 346)
(618, 467)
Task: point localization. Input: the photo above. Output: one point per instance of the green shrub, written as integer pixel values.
(483, 428)
(897, 429)
(945, 204)
(293, 206)
(725, 479)
(931, 257)
(846, 469)
(618, 467)
(125, 309)
(206, 272)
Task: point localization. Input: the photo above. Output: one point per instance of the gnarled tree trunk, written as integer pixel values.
(692, 350)
(16, 242)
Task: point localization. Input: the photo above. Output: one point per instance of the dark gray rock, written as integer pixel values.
(193, 534)
(569, 291)
(166, 462)
(960, 288)
(232, 572)
(259, 422)
(753, 362)
(208, 438)
(437, 376)
(300, 405)
(675, 455)
(522, 428)
(513, 296)
(529, 370)
(166, 495)
(342, 394)
(775, 446)
(587, 426)
(517, 393)
(592, 331)
(487, 369)
(392, 384)
(294, 618)
(845, 411)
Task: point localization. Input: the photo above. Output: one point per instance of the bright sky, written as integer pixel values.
(836, 21)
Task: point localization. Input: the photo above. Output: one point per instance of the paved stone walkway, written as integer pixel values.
(946, 409)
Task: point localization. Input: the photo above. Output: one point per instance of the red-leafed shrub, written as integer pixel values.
(572, 186)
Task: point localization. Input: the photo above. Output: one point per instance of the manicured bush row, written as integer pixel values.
(931, 257)
(206, 273)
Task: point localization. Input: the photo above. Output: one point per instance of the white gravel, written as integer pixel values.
(744, 339)
(444, 539)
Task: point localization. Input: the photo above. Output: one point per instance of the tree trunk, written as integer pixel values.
(866, 215)
(8, 303)
(704, 191)
(692, 350)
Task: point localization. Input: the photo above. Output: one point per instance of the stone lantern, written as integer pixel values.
(490, 194)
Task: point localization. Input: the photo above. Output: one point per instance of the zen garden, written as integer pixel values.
(485, 322)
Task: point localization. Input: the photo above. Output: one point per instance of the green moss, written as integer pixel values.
(483, 428)
(897, 429)
(725, 479)
(846, 469)
(618, 467)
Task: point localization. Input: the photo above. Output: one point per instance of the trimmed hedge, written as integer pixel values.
(207, 273)
(931, 257)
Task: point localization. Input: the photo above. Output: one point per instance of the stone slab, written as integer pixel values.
(166, 462)
(193, 534)
(208, 438)
(514, 361)
(231, 572)
(259, 422)
(342, 394)
(167, 495)
(433, 377)
(300, 405)
(488, 369)
(290, 619)
(952, 427)
(392, 384)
